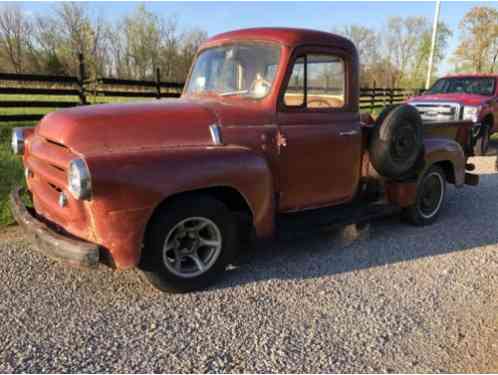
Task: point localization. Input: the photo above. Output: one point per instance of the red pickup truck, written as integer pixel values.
(471, 97)
(266, 136)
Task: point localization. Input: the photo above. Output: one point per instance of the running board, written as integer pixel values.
(290, 224)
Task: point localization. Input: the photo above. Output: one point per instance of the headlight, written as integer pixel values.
(471, 113)
(78, 179)
(17, 141)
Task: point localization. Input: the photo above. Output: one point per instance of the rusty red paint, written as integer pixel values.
(402, 194)
(140, 155)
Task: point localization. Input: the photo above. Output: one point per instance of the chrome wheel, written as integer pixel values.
(192, 246)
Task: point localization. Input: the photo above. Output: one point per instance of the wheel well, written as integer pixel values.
(488, 120)
(229, 196)
(449, 171)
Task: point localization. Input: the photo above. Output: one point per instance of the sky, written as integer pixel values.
(217, 17)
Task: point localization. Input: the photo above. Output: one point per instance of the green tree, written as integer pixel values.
(66, 33)
(478, 48)
(408, 42)
(15, 43)
(418, 73)
(367, 42)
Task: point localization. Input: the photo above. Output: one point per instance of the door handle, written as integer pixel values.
(351, 132)
(281, 141)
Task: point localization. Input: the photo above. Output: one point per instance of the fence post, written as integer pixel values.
(81, 79)
(391, 93)
(158, 83)
(372, 98)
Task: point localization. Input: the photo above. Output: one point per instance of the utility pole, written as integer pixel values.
(433, 44)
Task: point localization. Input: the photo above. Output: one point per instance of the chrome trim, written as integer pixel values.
(453, 110)
(62, 199)
(27, 173)
(352, 132)
(17, 141)
(85, 184)
(215, 131)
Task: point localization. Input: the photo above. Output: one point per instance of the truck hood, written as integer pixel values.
(465, 99)
(115, 127)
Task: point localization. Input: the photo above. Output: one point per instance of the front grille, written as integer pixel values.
(438, 111)
(48, 162)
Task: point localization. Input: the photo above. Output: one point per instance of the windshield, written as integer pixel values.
(242, 69)
(465, 85)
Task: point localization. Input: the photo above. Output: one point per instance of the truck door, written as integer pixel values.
(320, 155)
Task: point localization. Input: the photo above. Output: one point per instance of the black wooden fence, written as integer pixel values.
(46, 93)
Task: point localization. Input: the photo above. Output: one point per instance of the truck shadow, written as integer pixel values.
(467, 223)
(493, 147)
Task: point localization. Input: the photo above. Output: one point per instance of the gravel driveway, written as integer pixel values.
(407, 300)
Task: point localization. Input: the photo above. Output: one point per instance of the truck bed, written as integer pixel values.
(463, 132)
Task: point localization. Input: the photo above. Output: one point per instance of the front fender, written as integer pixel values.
(446, 150)
(128, 186)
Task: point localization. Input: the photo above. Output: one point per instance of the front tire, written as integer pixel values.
(431, 192)
(189, 244)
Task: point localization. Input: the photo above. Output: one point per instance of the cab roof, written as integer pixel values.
(287, 36)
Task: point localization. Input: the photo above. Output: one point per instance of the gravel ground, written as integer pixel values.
(407, 300)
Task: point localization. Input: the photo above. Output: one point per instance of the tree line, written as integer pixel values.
(135, 45)
(131, 48)
(397, 56)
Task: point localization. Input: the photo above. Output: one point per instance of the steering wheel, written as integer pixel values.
(320, 102)
(260, 81)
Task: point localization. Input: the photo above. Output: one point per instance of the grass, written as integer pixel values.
(11, 173)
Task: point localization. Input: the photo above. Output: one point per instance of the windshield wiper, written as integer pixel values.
(228, 93)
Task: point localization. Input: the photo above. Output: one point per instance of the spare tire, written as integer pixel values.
(385, 112)
(396, 141)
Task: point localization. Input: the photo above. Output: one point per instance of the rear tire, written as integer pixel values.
(431, 191)
(189, 244)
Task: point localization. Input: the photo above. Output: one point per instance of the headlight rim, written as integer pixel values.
(84, 189)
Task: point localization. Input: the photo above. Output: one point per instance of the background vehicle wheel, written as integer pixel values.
(482, 144)
(396, 141)
(431, 191)
(189, 244)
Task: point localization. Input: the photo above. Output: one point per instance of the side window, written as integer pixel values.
(294, 94)
(325, 82)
